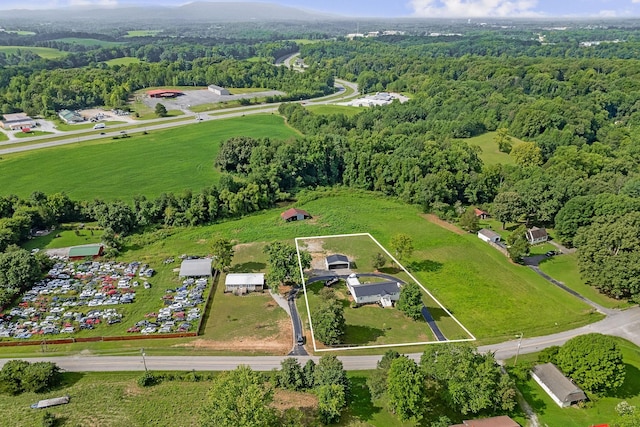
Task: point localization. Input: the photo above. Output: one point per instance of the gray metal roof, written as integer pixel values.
(560, 386)
(195, 267)
(337, 259)
(490, 234)
(373, 289)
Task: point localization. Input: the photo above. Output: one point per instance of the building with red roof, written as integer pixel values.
(164, 93)
(295, 214)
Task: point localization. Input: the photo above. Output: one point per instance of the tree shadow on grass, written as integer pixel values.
(631, 386)
(526, 388)
(389, 270)
(68, 380)
(361, 407)
(425, 265)
(358, 334)
(248, 267)
(438, 313)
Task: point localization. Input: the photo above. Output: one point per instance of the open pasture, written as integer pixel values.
(162, 161)
(88, 42)
(43, 52)
(494, 298)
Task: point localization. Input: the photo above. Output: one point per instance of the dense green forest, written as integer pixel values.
(577, 108)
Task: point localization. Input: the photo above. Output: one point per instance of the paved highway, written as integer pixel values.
(15, 146)
(625, 324)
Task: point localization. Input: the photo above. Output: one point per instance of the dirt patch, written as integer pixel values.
(444, 224)
(132, 390)
(285, 399)
(278, 344)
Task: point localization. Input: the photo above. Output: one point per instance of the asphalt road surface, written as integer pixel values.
(14, 146)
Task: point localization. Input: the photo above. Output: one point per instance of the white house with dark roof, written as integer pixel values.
(537, 235)
(560, 388)
(385, 293)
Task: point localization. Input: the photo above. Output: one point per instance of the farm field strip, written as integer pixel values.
(403, 270)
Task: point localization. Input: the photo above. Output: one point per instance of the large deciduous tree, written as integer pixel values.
(609, 254)
(283, 263)
(508, 207)
(517, 244)
(469, 382)
(406, 389)
(239, 398)
(331, 400)
(594, 361)
(328, 322)
(222, 254)
(410, 301)
(402, 244)
(290, 375)
(527, 154)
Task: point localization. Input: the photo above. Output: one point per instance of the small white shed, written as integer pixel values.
(489, 235)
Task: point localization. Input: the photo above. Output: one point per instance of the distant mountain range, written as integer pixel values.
(194, 12)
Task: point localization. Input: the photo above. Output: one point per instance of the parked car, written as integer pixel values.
(550, 253)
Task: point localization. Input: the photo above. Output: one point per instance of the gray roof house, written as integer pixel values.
(560, 388)
(385, 293)
(196, 268)
(537, 235)
(337, 262)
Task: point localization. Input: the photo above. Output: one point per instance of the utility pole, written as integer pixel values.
(144, 361)
(515, 362)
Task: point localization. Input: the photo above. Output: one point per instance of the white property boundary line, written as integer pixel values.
(304, 285)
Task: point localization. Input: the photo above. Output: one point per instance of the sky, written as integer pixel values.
(400, 8)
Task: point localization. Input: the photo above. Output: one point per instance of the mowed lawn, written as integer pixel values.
(327, 109)
(162, 161)
(601, 410)
(43, 52)
(89, 42)
(126, 60)
(564, 268)
(490, 154)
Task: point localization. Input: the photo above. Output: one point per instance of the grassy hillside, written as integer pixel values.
(490, 154)
(334, 109)
(162, 161)
(492, 297)
(44, 52)
(88, 42)
(123, 61)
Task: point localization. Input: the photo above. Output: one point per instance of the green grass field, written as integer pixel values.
(65, 238)
(31, 134)
(142, 33)
(600, 410)
(565, 269)
(162, 161)
(245, 90)
(111, 399)
(88, 42)
(123, 61)
(490, 154)
(44, 52)
(21, 32)
(334, 109)
(492, 297)
(3, 137)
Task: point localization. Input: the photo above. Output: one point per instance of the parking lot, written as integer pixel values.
(76, 297)
(202, 96)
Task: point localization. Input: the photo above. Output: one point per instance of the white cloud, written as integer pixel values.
(93, 2)
(474, 8)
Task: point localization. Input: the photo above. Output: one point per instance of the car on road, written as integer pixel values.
(300, 339)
